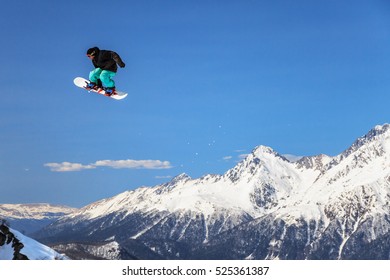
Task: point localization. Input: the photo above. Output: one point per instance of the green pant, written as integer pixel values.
(103, 75)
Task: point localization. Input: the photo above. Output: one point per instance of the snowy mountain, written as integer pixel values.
(266, 207)
(16, 246)
(28, 218)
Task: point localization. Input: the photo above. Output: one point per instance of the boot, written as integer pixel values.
(91, 85)
(109, 90)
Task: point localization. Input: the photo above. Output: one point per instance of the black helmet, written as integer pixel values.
(93, 51)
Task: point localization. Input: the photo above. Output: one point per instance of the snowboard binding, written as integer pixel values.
(91, 85)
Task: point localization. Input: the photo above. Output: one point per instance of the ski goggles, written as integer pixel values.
(91, 54)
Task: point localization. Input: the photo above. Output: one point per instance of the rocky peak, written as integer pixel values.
(259, 157)
(317, 162)
(264, 151)
(367, 147)
(181, 178)
(7, 237)
(378, 132)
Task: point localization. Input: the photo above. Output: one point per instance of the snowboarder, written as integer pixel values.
(105, 63)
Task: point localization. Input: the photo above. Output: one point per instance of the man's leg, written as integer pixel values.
(106, 78)
(94, 75)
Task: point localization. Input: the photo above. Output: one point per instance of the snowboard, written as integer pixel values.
(82, 83)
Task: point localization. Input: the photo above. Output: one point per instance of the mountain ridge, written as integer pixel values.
(31, 217)
(315, 208)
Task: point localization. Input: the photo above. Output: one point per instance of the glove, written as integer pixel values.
(122, 65)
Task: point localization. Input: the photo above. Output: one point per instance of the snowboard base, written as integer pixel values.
(82, 83)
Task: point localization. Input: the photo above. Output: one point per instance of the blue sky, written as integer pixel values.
(208, 81)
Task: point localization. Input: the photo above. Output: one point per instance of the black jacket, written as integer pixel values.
(107, 60)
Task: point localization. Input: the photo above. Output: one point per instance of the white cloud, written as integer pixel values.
(117, 164)
(227, 158)
(68, 166)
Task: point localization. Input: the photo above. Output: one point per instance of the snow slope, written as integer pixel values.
(30, 248)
